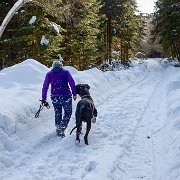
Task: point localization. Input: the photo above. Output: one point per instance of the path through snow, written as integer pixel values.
(126, 142)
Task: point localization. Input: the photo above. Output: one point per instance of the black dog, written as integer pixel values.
(85, 111)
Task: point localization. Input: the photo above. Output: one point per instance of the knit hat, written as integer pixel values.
(57, 64)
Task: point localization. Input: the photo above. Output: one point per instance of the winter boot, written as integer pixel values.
(60, 132)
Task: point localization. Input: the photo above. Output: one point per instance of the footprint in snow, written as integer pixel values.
(91, 166)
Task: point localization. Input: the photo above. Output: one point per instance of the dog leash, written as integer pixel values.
(46, 104)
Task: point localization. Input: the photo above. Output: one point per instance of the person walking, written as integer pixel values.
(61, 95)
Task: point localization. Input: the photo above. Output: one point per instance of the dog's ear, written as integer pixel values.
(87, 86)
(78, 88)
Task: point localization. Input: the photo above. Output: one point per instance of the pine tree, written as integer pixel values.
(23, 39)
(167, 26)
(5, 46)
(122, 27)
(111, 9)
(81, 22)
(129, 30)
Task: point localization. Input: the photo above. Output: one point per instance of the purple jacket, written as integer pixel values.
(60, 79)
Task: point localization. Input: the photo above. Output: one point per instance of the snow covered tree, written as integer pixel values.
(90, 30)
(32, 33)
(5, 47)
(41, 34)
(11, 13)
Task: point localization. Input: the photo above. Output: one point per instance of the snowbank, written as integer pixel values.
(20, 89)
(173, 125)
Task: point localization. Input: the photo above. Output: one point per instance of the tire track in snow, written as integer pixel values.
(125, 131)
(138, 161)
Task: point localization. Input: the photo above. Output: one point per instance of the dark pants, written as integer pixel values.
(66, 104)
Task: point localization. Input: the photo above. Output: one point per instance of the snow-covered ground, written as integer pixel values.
(136, 136)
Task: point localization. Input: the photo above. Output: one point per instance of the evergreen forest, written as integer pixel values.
(86, 32)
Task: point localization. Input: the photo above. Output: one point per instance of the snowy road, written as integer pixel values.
(127, 142)
(134, 122)
(138, 159)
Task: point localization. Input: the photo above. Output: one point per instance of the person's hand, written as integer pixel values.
(74, 97)
(43, 102)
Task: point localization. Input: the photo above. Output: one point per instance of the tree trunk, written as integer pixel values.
(2, 64)
(110, 39)
(107, 40)
(121, 50)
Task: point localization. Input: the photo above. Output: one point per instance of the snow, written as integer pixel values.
(60, 58)
(115, 52)
(136, 135)
(56, 27)
(32, 20)
(44, 41)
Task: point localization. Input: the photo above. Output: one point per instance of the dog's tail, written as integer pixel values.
(73, 130)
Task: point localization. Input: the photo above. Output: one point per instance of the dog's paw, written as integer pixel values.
(77, 142)
(93, 120)
(86, 141)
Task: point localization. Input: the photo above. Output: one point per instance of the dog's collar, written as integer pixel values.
(86, 96)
